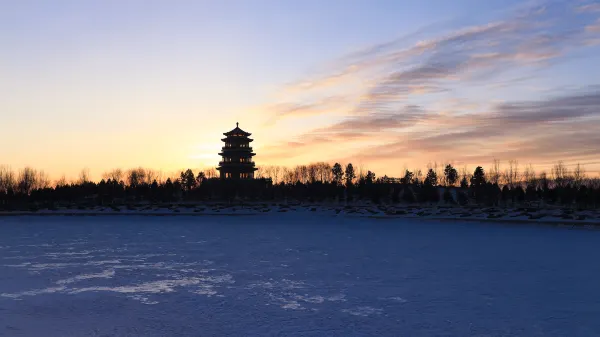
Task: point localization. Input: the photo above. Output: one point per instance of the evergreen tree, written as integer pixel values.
(350, 175)
(188, 180)
(505, 193)
(200, 178)
(338, 174)
(408, 176)
(464, 183)
(451, 175)
(478, 178)
(431, 179)
(370, 177)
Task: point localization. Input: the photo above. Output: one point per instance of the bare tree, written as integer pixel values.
(151, 175)
(464, 173)
(325, 172)
(417, 176)
(160, 177)
(312, 172)
(211, 173)
(514, 171)
(560, 174)
(260, 172)
(361, 171)
(579, 175)
(7, 179)
(287, 175)
(511, 174)
(529, 176)
(494, 174)
(295, 174)
(276, 173)
(114, 175)
(61, 182)
(136, 177)
(304, 174)
(43, 181)
(84, 176)
(27, 180)
(268, 173)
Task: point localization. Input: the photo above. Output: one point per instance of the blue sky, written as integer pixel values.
(387, 84)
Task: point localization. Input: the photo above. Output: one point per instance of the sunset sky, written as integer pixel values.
(383, 84)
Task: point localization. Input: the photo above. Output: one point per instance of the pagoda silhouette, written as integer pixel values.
(237, 155)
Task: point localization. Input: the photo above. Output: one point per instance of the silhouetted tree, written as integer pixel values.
(448, 198)
(27, 181)
(370, 177)
(350, 175)
(464, 183)
(478, 178)
(188, 180)
(451, 175)
(505, 194)
(200, 178)
(431, 179)
(407, 179)
(338, 174)
(518, 194)
(30, 190)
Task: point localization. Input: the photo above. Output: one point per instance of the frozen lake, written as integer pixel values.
(294, 275)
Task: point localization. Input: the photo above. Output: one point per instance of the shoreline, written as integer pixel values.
(583, 219)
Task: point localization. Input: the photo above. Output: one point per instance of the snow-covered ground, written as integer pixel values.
(294, 274)
(547, 214)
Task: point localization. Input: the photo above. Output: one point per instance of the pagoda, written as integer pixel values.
(237, 155)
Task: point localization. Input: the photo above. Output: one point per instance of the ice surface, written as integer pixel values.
(294, 275)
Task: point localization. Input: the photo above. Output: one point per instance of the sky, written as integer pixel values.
(386, 85)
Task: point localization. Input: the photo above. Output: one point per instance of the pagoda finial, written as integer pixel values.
(237, 124)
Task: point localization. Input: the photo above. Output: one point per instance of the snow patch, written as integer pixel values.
(34, 292)
(283, 284)
(337, 298)
(101, 263)
(109, 273)
(206, 289)
(397, 299)
(67, 254)
(49, 266)
(155, 287)
(292, 305)
(310, 299)
(143, 299)
(363, 311)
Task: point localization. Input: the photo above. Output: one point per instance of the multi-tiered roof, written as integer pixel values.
(237, 155)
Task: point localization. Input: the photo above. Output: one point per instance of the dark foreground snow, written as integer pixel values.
(294, 275)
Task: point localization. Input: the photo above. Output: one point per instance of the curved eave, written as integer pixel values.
(247, 134)
(237, 168)
(227, 153)
(236, 138)
(236, 131)
(245, 169)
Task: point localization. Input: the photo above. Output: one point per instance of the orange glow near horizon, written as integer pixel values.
(124, 87)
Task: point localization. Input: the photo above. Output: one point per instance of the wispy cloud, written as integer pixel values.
(402, 82)
(318, 106)
(589, 8)
(594, 28)
(556, 128)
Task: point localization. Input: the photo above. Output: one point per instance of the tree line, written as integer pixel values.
(30, 188)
